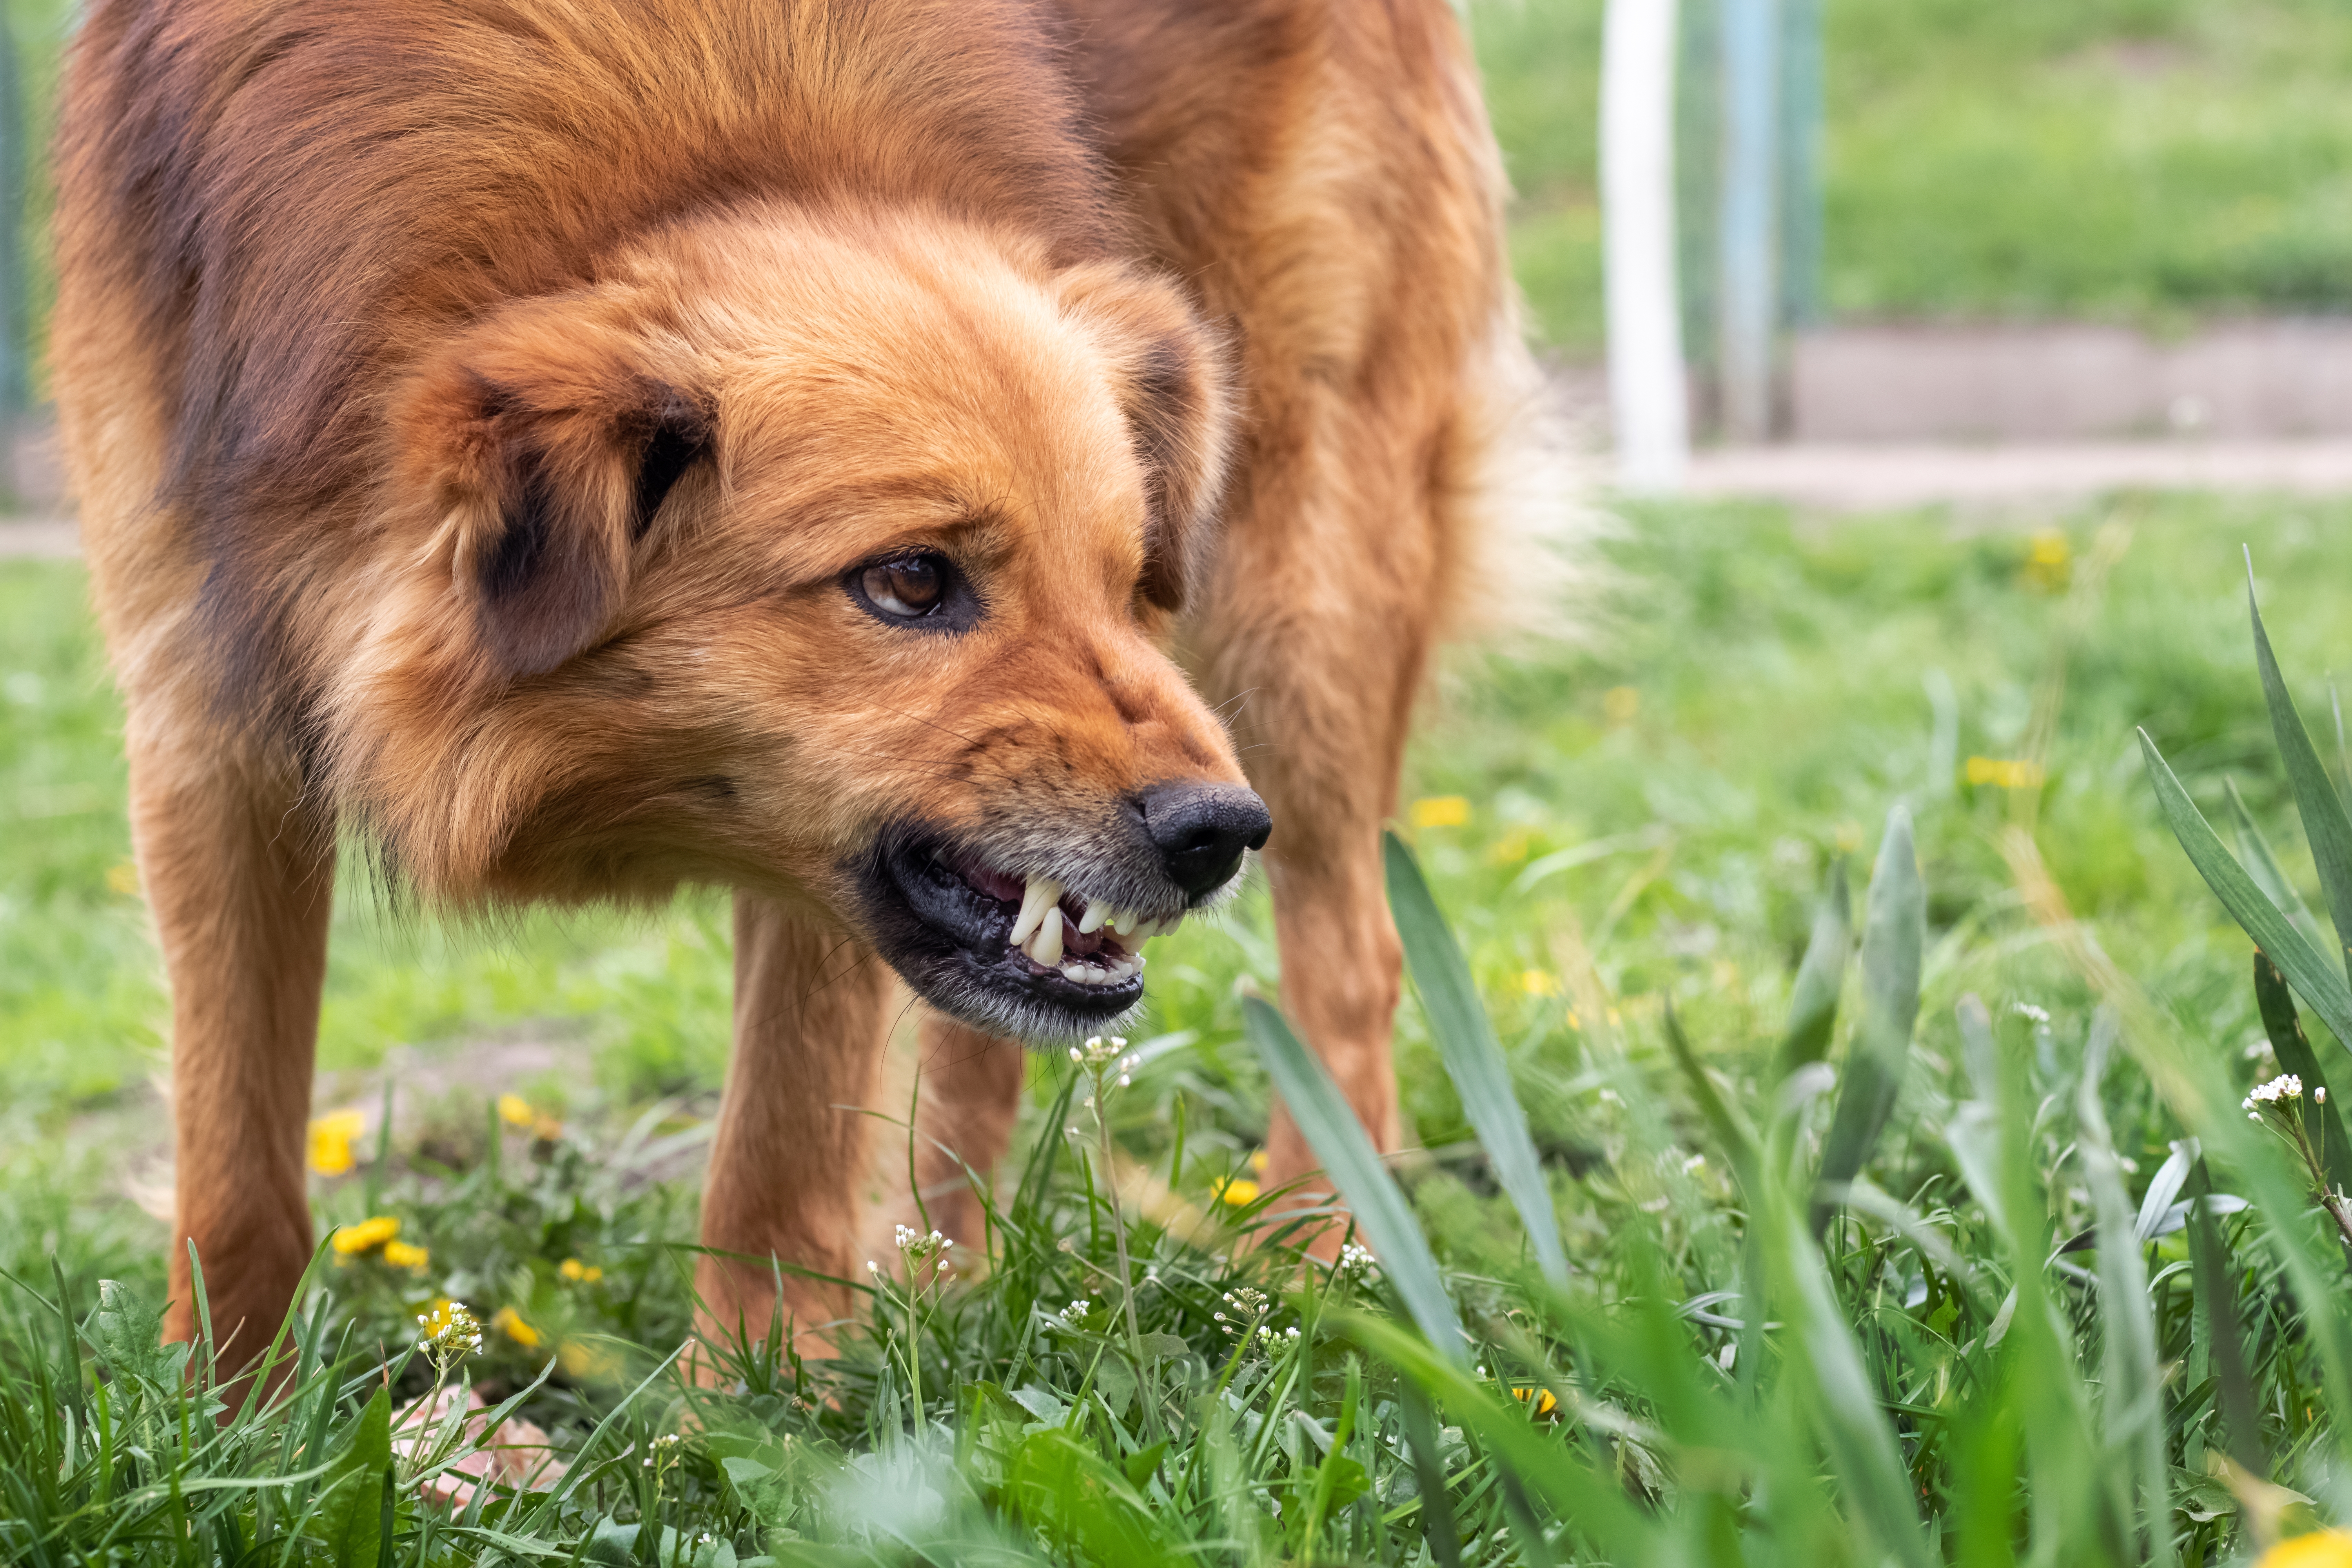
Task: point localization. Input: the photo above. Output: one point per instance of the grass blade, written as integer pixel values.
(1813, 998)
(2132, 1388)
(1473, 1058)
(1595, 1505)
(1845, 1406)
(2277, 1004)
(2324, 826)
(1338, 1139)
(1731, 1127)
(2319, 983)
(1894, 934)
(2215, 1302)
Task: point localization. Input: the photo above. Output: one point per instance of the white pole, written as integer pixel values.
(1646, 390)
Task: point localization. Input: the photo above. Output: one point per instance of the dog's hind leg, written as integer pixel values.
(811, 1013)
(241, 881)
(1318, 636)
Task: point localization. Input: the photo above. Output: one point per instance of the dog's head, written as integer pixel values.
(824, 557)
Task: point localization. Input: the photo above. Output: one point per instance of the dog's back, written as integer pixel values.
(266, 206)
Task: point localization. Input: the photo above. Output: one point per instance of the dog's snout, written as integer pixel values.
(1202, 829)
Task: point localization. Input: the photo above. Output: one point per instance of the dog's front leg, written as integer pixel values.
(812, 1011)
(241, 881)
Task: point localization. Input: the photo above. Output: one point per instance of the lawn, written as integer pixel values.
(1630, 840)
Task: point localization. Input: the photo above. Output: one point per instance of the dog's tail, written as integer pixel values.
(1523, 535)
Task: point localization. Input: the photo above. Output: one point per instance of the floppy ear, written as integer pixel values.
(1174, 389)
(552, 453)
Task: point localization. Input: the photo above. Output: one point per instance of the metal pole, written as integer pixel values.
(1747, 294)
(1800, 163)
(1647, 393)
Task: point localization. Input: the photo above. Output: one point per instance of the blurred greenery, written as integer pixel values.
(2141, 160)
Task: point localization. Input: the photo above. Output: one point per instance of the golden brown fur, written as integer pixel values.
(481, 408)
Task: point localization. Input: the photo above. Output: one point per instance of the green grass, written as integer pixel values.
(2143, 160)
(1646, 824)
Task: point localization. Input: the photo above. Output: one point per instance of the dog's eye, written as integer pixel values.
(910, 586)
(920, 589)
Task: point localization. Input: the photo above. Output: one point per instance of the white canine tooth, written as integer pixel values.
(1092, 920)
(1045, 947)
(1041, 894)
(1125, 921)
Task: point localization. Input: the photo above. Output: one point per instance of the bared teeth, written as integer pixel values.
(1083, 972)
(1097, 916)
(1041, 894)
(1125, 922)
(1045, 947)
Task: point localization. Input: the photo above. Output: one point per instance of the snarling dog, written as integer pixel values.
(580, 449)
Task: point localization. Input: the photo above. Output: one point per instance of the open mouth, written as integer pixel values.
(1017, 952)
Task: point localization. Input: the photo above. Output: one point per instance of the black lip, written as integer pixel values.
(951, 943)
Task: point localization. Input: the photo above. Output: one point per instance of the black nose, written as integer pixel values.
(1202, 829)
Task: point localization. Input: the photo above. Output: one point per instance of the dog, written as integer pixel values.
(847, 452)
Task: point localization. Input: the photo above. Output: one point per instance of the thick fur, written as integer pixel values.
(479, 408)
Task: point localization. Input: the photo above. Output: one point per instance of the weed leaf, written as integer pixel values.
(2262, 866)
(1813, 998)
(2288, 1043)
(2319, 983)
(2324, 826)
(1473, 1060)
(354, 1501)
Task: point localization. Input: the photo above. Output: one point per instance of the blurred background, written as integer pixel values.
(1892, 220)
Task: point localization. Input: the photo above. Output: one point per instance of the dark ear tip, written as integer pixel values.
(680, 435)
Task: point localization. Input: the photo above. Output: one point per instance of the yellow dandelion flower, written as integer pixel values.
(546, 1128)
(1237, 1191)
(1441, 811)
(1258, 1161)
(1620, 704)
(1539, 982)
(509, 1322)
(1511, 848)
(586, 1361)
(1545, 1405)
(354, 1240)
(401, 1254)
(330, 1140)
(515, 1110)
(2320, 1549)
(579, 1273)
(2004, 773)
(123, 878)
(2049, 561)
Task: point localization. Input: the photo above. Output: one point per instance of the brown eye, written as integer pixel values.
(910, 587)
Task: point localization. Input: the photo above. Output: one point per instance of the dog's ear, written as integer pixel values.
(1174, 388)
(550, 451)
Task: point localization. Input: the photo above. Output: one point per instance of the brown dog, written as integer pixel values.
(586, 447)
